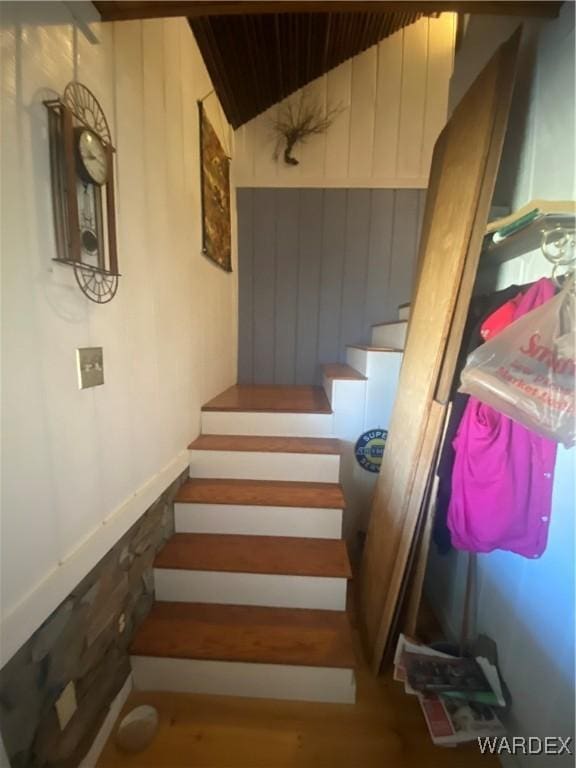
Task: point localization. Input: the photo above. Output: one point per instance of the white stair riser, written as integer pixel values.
(403, 313)
(348, 406)
(249, 465)
(259, 521)
(384, 372)
(358, 359)
(269, 681)
(272, 424)
(390, 335)
(250, 589)
(344, 394)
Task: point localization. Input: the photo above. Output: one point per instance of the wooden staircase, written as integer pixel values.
(251, 589)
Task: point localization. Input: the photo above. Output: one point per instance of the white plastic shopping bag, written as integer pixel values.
(527, 371)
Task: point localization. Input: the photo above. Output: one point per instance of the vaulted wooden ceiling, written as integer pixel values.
(257, 53)
(256, 61)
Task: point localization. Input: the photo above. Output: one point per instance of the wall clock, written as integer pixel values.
(82, 174)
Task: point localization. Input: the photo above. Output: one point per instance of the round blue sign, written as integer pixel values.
(369, 449)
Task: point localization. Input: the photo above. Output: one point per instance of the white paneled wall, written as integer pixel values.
(80, 466)
(393, 100)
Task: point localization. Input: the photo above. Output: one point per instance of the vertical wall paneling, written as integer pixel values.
(245, 204)
(317, 269)
(364, 88)
(264, 281)
(338, 95)
(332, 269)
(379, 298)
(405, 242)
(394, 100)
(438, 70)
(312, 154)
(413, 101)
(310, 254)
(387, 106)
(355, 266)
(101, 456)
(286, 286)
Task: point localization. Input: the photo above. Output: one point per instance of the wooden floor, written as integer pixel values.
(271, 400)
(384, 729)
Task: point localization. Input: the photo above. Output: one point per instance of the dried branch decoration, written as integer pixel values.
(296, 123)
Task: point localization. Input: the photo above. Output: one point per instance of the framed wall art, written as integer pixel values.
(215, 195)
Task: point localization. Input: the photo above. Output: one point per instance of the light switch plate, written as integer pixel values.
(90, 363)
(66, 705)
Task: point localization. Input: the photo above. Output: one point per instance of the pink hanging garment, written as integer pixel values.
(503, 474)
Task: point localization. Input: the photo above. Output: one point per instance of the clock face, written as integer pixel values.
(92, 157)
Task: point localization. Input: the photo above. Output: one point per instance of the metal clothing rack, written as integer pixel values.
(545, 224)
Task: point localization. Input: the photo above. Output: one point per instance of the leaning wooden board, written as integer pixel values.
(464, 169)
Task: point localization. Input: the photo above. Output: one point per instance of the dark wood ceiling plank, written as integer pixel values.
(151, 9)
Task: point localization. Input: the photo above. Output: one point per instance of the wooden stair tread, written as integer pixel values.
(295, 636)
(342, 371)
(313, 445)
(231, 553)
(266, 493)
(391, 322)
(271, 400)
(369, 348)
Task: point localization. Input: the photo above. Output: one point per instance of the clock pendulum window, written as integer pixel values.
(82, 173)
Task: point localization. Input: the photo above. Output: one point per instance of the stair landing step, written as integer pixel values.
(279, 555)
(390, 322)
(313, 445)
(342, 371)
(262, 399)
(369, 348)
(263, 493)
(292, 636)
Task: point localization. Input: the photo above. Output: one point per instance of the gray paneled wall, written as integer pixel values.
(318, 267)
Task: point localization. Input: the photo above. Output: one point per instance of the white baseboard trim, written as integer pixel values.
(35, 607)
(91, 759)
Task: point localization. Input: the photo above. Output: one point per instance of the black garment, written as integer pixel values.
(481, 307)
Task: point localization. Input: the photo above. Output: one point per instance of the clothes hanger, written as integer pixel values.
(559, 247)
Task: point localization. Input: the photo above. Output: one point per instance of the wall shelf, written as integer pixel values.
(521, 232)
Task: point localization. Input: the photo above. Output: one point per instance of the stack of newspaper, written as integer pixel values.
(457, 695)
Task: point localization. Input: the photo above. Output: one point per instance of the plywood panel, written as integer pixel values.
(464, 181)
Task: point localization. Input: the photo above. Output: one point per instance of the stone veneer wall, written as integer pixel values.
(85, 641)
